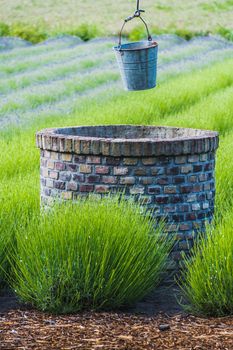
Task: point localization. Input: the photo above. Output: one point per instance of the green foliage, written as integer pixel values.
(226, 33)
(97, 253)
(208, 278)
(189, 34)
(4, 29)
(218, 5)
(33, 33)
(139, 32)
(198, 16)
(18, 202)
(85, 31)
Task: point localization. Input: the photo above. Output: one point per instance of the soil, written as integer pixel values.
(157, 322)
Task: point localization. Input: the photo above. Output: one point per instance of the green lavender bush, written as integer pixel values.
(95, 254)
(208, 275)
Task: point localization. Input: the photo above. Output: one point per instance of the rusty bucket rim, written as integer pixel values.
(152, 44)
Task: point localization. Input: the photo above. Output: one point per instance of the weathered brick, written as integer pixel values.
(185, 169)
(137, 190)
(72, 186)
(202, 177)
(129, 180)
(208, 167)
(170, 189)
(43, 182)
(196, 206)
(85, 146)
(112, 161)
(60, 166)
(197, 168)
(67, 195)
(105, 148)
(130, 161)
(183, 207)
(120, 171)
(85, 169)
(95, 146)
(203, 157)
(64, 176)
(49, 183)
(207, 186)
(66, 157)
(172, 228)
(162, 181)
(60, 185)
(54, 155)
(193, 178)
(47, 154)
(86, 188)
(79, 159)
(78, 177)
(47, 191)
(191, 198)
(77, 146)
(179, 179)
(101, 189)
(162, 199)
(50, 164)
(149, 161)
(177, 217)
(71, 167)
(44, 172)
(197, 188)
(53, 175)
(201, 197)
(109, 179)
(43, 162)
(205, 205)
(93, 160)
(154, 189)
(169, 209)
(190, 216)
(140, 172)
(177, 199)
(180, 160)
(93, 178)
(145, 200)
(185, 226)
(174, 170)
(146, 180)
(157, 171)
(194, 158)
(102, 169)
(115, 149)
(186, 188)
(136, 149)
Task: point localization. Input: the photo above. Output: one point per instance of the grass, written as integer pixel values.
(35, 21)
(61, 84)
(208, 276)
(64, 263)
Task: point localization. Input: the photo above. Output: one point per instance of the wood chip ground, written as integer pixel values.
(36, 330)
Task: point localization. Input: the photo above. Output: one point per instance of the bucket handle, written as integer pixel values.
(137, 14)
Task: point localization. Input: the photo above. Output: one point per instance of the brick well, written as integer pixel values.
(170, 170)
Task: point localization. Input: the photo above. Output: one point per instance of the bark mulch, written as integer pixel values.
(21, 329)
(157, 322)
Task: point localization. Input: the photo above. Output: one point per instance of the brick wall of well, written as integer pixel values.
(177, 187)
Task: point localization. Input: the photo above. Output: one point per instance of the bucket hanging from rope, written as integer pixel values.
(138, 60)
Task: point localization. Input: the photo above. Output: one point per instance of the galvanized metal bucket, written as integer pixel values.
(138, 60)
(138, 64)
